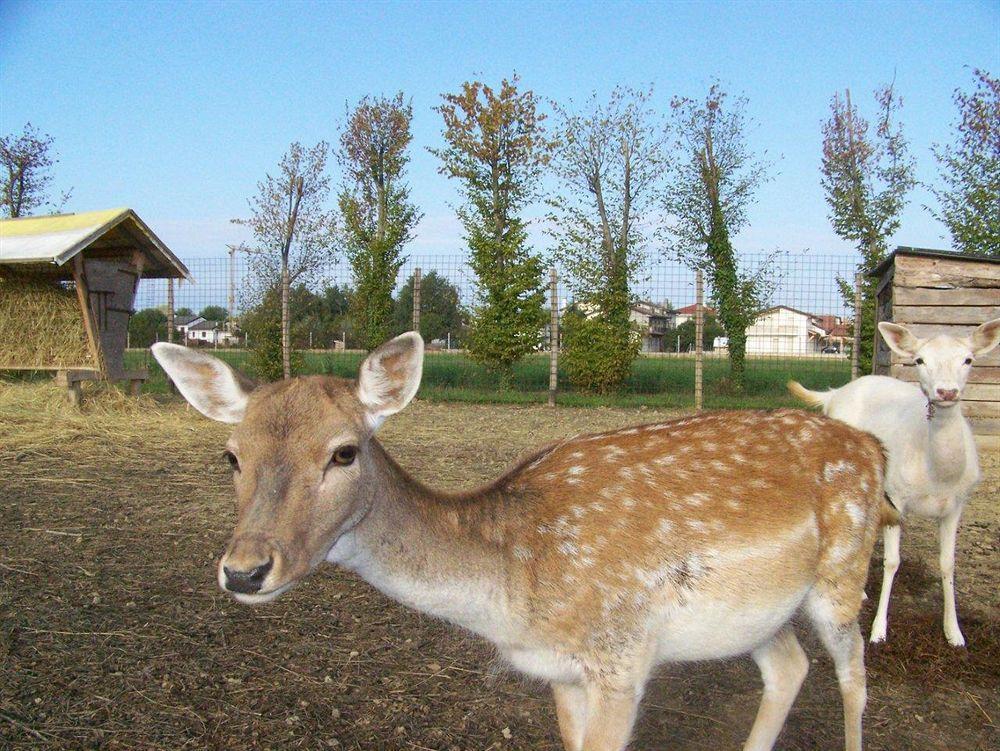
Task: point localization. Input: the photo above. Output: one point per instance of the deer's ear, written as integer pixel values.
(209, 385)
(899, 339)
(985, 337)
(390, 376)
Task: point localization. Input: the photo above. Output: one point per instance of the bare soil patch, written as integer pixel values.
(113, 634)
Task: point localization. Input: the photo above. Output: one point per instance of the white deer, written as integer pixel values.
(586, 564)
(932, 466)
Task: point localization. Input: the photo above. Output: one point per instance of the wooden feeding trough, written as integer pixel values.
(67, 284)
(936, 292)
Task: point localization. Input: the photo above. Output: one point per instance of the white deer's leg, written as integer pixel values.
(890, 564)
(610, 717)
(571, 711)
(783, 666)
(846, 646)
(947, 530)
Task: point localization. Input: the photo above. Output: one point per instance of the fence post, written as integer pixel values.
(699, 333)
(416, 299)
(170, 326)
(856, 348)
(170, 310)
(553, 336)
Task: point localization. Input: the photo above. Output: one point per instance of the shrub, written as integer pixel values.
(264, 335)
(597, 353)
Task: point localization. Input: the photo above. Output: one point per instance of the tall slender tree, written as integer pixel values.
(609, 161)
(969, 198)
(496, 147)
(866, 174)
(709, 186)
(378, 217)
(292, 228)
(27, 159)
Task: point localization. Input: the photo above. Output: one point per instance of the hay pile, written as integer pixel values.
(41, 325)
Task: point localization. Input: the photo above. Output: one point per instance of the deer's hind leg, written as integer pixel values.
(834, 614)
(783, 666)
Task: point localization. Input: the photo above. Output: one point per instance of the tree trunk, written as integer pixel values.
(286, 344)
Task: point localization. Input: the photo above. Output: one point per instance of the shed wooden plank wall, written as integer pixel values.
(933, 295)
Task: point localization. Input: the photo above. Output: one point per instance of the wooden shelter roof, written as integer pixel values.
(905, 250)
(54, 240)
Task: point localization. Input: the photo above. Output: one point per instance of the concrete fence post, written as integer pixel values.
(699, 335)
(553, 336)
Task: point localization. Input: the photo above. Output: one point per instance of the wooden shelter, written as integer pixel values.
(67, 285)
(937, 292)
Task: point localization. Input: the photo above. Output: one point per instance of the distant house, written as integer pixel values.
(211, 333)
(183, 324)
(653, 321)
(782, 330)
(686, 313)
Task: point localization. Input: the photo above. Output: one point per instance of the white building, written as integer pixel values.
(785, 331)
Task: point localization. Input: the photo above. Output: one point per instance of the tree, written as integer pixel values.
(497, 148)
(183, 312)
(378, 216)
(710, 185)
(687, 334)
(28, 158)
(147, 327)
(609, 162)
(866, 175)
(970, 170)
(214, 313)
(292, 230)
(441, 312)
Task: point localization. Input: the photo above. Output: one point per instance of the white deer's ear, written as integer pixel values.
(985, 337)
(390, 376)
(209, 385)
(899, 339)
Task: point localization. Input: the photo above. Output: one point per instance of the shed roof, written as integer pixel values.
(905, 250)
(56, 239)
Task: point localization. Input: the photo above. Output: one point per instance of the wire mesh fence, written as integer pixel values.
(803, 329)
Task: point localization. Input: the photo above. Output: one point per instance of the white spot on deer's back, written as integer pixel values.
(831, 470)
(856, 513)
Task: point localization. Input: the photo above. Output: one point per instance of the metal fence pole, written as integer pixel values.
(699, 333)
(416, 299)
(553, 337)
(856, 348)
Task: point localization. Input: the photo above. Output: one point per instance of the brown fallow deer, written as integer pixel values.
(587, 563)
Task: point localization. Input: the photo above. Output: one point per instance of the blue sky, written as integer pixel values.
(177, 109)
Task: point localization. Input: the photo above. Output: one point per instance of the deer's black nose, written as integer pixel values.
(247, 582)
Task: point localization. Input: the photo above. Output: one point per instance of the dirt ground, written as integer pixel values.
(114, 635)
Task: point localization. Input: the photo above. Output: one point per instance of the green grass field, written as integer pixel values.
(654, 382)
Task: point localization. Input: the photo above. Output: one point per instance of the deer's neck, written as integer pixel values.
(946, 442)
(423, 549)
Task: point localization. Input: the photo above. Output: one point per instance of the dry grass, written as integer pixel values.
(113, 634)
(40, 324)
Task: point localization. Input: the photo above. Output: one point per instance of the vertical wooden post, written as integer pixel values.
(170, 326)
(856, 348)
(553, 336)
(699, 334)
(170, 310)
(416, 299)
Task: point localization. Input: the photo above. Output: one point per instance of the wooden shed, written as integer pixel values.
(937, 292)
(67, 284)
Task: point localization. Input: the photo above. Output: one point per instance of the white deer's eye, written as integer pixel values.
(919, 361)
(968, 361)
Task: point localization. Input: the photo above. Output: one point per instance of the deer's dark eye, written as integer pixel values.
(230, 457)
(968, 361)
(919, 361)
(344, 455)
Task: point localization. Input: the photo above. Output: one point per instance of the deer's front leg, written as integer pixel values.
(947, 531)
